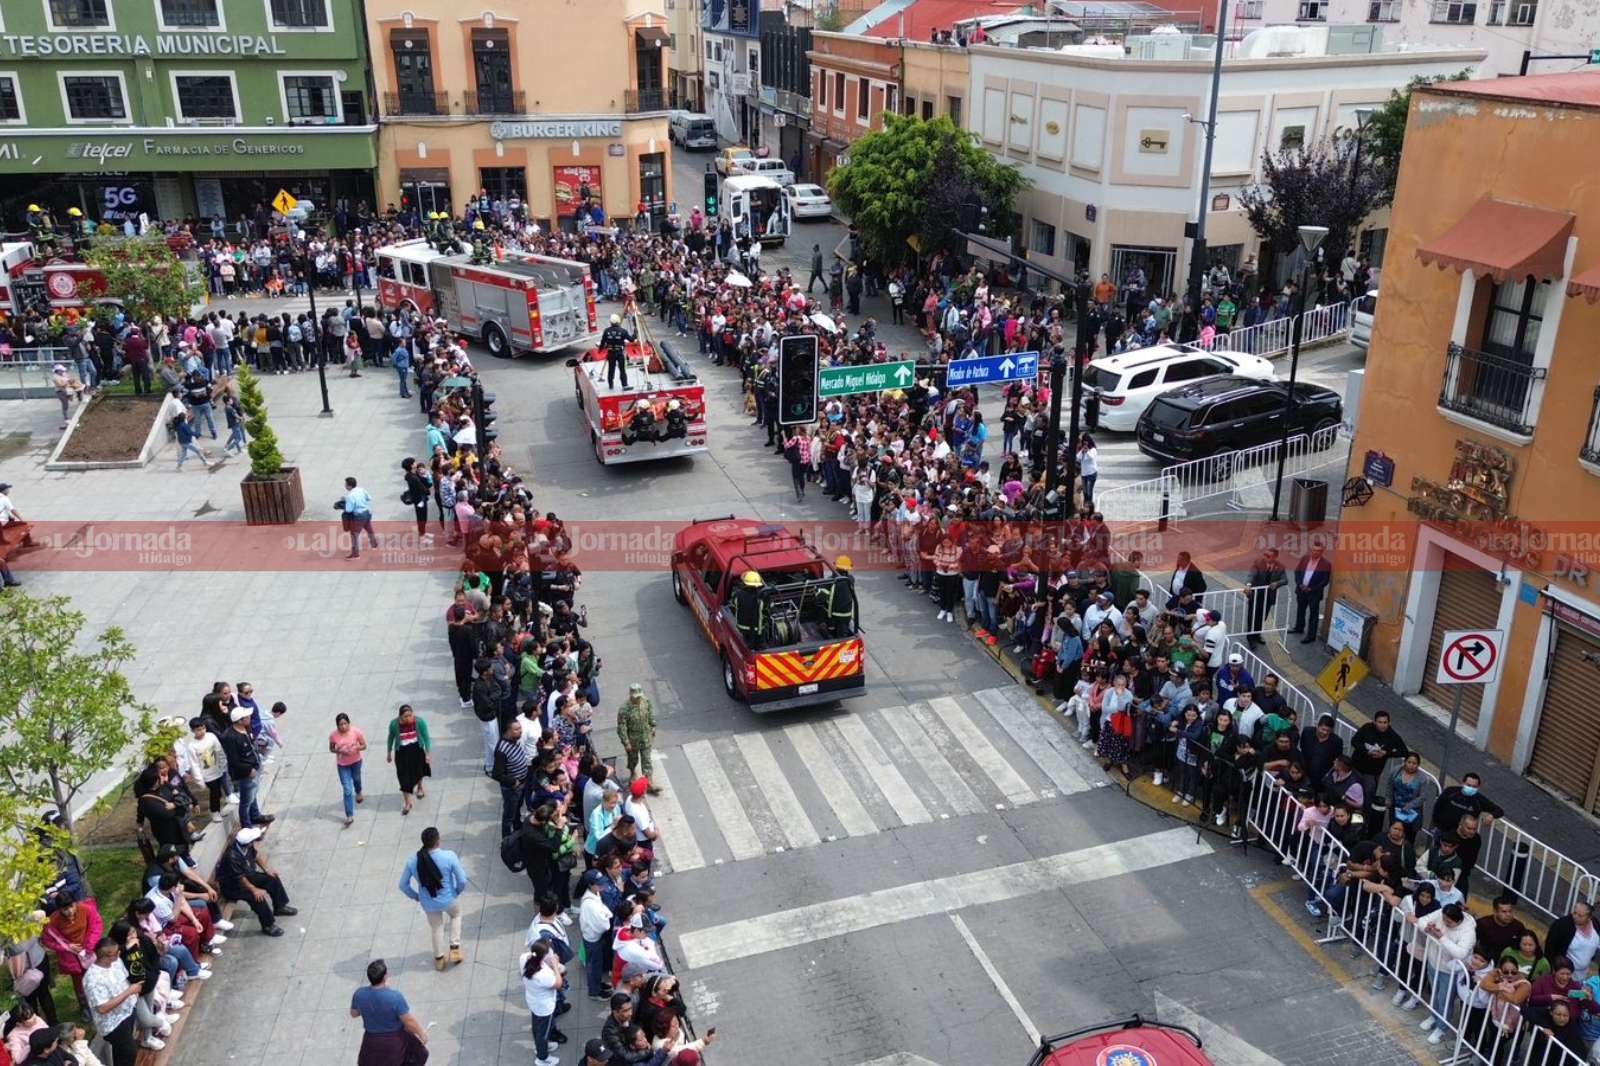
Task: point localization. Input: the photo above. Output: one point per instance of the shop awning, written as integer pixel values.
(1504, 240)
(1586, 285)
(652, 36)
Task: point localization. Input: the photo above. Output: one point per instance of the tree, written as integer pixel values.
(65, 714)
(912, 179)
(265, 459)
(146, 276)
(28, 867)
(1315, 185)
(1385, 132)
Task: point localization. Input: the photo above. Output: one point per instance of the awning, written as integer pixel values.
(1586, 285)
(1506, 241)
(653, 36)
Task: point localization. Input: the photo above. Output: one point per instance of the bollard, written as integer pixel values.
(1517, 867)
(1166, 511)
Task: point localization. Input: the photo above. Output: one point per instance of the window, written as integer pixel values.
(1044, 238)
(1188, 370)
(310, 98)
(94, 97)
(1383, 11)
(1292, 137)
(822, 90)
(299, 15)
(719, 51)
(1455, 12)
(79, 14)
(1516, 311)
(1142, 380)
(927, 110)
(863, 98)
(1313, 11)
(708, 49)
(953, 105)
(838, 93)
(413, 75)
(1250, 9)
(1522, 14)
(191, 14)
(205, 96)
(890, 103)
(672, 41)
(911, 106)
(491, 67)
(10, 101)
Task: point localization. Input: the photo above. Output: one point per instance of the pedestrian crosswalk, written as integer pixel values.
(808, 783)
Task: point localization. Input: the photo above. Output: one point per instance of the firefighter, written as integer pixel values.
(642, 426)
(841, 599)
(750, 608)
(41, 231)
(615, 341)
(480, 249)
(677, 420)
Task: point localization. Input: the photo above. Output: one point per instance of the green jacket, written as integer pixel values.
(422, 734)
(636, 723)
(529, 675)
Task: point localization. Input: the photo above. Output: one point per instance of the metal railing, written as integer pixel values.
(507, 102)
(637, 100)
(1140, 501)
(1542, 877)
(1491, 388)
(1590, 452)
(1252, 610)
(25, 373)
(1275, 336)
(416, 103)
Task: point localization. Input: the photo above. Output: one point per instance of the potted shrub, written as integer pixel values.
(272, 492)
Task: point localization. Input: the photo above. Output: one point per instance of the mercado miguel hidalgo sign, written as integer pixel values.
(78, 45)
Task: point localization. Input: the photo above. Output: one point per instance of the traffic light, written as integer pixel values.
(711, 194)
(797, 381)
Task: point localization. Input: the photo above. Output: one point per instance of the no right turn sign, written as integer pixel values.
(1470, 657)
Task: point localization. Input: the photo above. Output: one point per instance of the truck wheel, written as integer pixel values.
(494, 339)
(728, 681)
(677, 589)
(577, 394)
(594, 444)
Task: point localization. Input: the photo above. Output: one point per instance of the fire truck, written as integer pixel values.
(26, 281)
(660, 413)
(521, 302)
(798, 656)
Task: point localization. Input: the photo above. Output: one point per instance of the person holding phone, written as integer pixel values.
(111, 1000)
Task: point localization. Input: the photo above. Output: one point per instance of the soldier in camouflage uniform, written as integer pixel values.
(636, 728)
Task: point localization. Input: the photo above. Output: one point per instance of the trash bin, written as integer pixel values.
(1308, 501)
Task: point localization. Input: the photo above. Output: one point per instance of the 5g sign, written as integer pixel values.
(119, 201)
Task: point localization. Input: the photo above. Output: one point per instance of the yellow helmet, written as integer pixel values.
(35, 207)
(843, 564)
(752, 580)
(478, 224)
(74, 212)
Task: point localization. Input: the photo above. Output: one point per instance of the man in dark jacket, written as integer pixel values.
(244, 767)
(242, 876)
(487, 695)
(539, 844)
(1311, 576)
(1267, 576)
(1319, 746)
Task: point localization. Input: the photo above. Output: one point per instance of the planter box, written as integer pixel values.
(276, 501)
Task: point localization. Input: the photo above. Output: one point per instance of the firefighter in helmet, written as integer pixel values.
(677, 420)
(750, 608)
(642, 426)
(480, 247)
(615, 341)
(41, 231)
(840, 598)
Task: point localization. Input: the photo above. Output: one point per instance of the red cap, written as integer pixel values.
(640, 784)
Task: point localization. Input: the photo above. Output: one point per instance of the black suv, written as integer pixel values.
(1230, 413)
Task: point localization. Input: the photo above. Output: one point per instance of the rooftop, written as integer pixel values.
(1577, 89)
(918, 20)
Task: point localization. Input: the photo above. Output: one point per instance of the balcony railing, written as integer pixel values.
(506, 102)
(1491, 388)
(1590, 452)
(416, 103)
(635, 101)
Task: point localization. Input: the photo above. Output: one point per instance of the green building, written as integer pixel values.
(182, 109)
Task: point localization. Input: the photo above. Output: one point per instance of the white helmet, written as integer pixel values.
(616, 320)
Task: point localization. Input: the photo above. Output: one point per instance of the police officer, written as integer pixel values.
(841, 598)
(750, 608)
(615, 341)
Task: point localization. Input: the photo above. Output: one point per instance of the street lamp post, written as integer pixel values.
(1197, 249)
(309, 273)
(1311, 238)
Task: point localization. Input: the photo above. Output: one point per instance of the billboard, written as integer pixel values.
(740, 17)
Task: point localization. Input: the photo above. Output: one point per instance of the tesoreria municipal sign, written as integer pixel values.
(80, 45)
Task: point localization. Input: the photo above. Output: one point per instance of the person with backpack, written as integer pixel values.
(434, 878)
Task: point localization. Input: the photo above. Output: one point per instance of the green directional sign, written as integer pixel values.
(877, 377)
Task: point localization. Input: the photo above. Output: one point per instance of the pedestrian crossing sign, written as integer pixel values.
(1344, 673)
(283, 203)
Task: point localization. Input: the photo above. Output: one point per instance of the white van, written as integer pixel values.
(692, 130)
(757, 207)
(1361, 320)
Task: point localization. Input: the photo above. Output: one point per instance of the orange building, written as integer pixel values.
(1481, 412)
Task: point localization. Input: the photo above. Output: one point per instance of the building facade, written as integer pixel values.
(1479, 429)
(500, 103)
(785, 100)
(182, 109)
(731, 56)
(1109, 143)
(854, 79)
(1504, 29)
(686, 68)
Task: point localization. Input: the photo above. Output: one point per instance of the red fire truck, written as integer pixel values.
(660, 413)
(1135, 1042)
(520, 303)
(49, 285)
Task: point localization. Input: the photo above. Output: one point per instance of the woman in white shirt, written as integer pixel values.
(542, 977)
(1088, 466)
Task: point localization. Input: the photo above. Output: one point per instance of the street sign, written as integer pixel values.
(874, 377)
(283, 203)
(1341, 675)
(1470, 657)
(993, 369)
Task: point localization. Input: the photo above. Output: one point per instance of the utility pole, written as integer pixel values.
(1311, 238)
(1197, 249)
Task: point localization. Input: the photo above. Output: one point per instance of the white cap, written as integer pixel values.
(240, 714)
(250, 835)
(1236, 659)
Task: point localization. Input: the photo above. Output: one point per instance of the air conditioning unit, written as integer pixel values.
(1159, 46)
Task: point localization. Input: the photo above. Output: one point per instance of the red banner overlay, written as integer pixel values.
(1570, 549)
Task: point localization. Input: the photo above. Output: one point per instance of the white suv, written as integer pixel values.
(1125, 384)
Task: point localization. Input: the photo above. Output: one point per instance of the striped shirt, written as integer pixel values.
(516, 761)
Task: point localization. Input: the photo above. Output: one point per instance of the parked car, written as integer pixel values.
(1123, 385)
(692, 130)
(1361, 321)
(766, 168)
(1227, 414)
(808, 201)
(730, 159)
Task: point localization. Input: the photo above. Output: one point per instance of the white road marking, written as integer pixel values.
(998, 981)
(1220, 1044)
(883, 773)
(723, 801)
(888, 906)
(936, 766)
(784, 804)
(820, 765)
(681, 850)
(1034, 737)
(989, 760)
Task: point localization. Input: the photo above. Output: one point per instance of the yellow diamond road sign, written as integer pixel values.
(284, 203)
(1341, 675)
